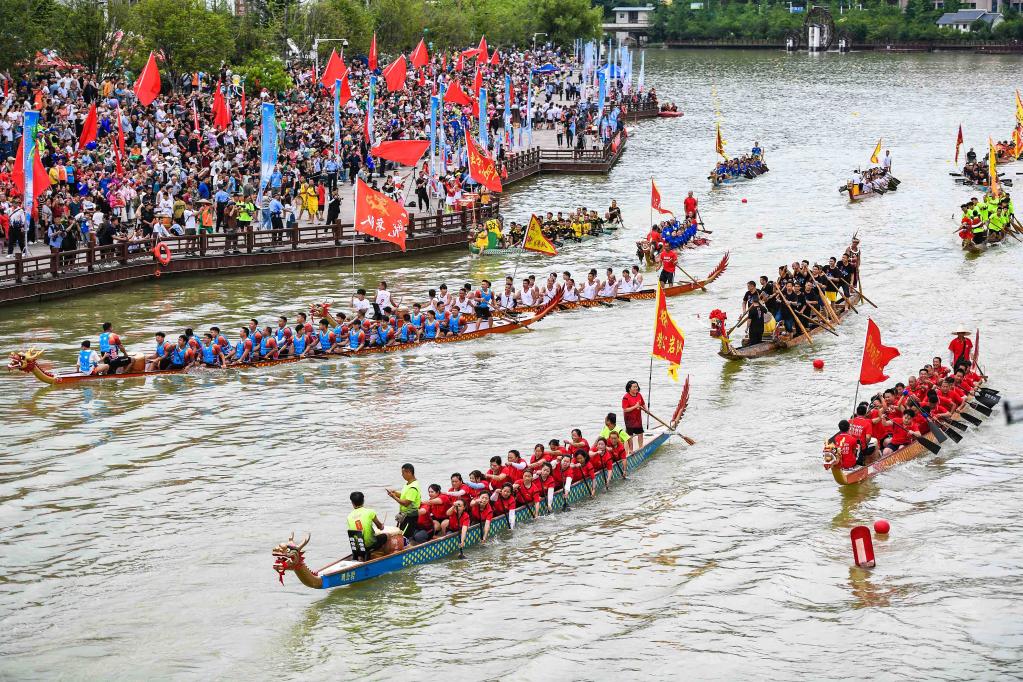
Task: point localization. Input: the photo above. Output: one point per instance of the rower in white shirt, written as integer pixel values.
(571, 294)
(590, 286)
(383, 300)
(626, 285)
(637, 278)
(360, 302)
(610, 286)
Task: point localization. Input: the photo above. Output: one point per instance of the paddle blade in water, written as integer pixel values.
(970, 418)
(929, 444)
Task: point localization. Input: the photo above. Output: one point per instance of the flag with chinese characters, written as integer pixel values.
(959, 142)
(1017, 143)
(876, 156)
(1019, 108)
(378, 216)
(876, 356)
(482, 168)
(655, 199)
(535, 241)
(668, 338)
(992, 170)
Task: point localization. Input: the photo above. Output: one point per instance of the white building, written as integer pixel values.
(631, 24)
(964, 18)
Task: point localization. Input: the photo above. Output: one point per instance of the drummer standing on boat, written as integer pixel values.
(668, 259)
(961, 347)
(408, 499)
(633, 406)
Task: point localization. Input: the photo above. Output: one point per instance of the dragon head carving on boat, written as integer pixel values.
(830, 455)
(24, 362)
(717, 328)
(289, 556)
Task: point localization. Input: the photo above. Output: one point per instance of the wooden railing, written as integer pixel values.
(122, 254)
(519, 165)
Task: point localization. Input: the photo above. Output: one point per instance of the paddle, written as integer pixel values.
(795, 318)
(970, 418)
(958, 424)
(986, 411)
(824, 299)
(672, 431)
(509, 319)
(859, 291)
(935, 429)
(695, 281)
(820, 318)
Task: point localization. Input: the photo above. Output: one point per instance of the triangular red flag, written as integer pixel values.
(147, 87)
(482, 168)
(346, 91)
(420, 57)
(460, 64)
(372, 61)
(243, 99)
(221, 116)
(477, 83)
(40, 178)
(334, 70)
(378, 216)
(456, 95)
(655, 199)
(404, 152)
(875, 356)
(481, 51)
(89, 128)
(395, 74)
(495, 59)
(959, 142)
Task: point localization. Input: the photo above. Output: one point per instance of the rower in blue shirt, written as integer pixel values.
(431, 326)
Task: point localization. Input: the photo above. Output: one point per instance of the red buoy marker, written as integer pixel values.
(744, 200)
(818, 364)
(863, 548)
(760, 235)
(881, 527)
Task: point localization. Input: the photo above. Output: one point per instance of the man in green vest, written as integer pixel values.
(363, 520)
(245, 210)
(409, 500)
(611, 426)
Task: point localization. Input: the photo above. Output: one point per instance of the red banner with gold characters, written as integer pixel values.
(668, 338)
(482, 168)
(876, 356)
(378, 216)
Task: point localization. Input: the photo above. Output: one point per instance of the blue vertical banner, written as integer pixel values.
(268, 155)
(507, 110)
(30, 122)
(434, 106)
(371, 111)
(484, 139)
(601, 95)
(337, 118)
(642, 69)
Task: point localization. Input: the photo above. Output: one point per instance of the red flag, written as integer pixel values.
(346, 91)
(481, 51)
(378, 216)
(243, 99)
(420, 57)
(119, 149)
(40, 178)
(959, 142)
(456, 95)
(365, 128)
(668, 338)
(495, 59)
(221, 116)
(405, 152)
(147, 87)
(477, 83)
(655, 199)
(875, 356)
(334, 70)
(195, 117)
(482, 168)
(373, 54)
(459, 66)
(395, 74)
(422, 78)
(89, 128)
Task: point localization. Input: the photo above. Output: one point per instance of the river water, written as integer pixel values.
(138, 517)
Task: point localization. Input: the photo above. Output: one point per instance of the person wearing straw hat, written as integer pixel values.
(961, 347)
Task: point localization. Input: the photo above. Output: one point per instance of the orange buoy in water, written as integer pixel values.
(881, 527)
(818, 364)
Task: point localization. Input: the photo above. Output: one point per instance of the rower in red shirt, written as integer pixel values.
(459, 489)
(577, 442)
(669, 260)
(514, 467)
(528, 492)
(585, 470)
(548, 482)
(863, 429)
(458, 521)
(940, 369)
(903, 432)
(654, 235)
(690, 205)
(633, 406)
(480, 511)
(961, 347)
(846, 444)
(434, 510)
(497, 475)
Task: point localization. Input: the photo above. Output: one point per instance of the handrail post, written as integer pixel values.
(203, 242)
(336, 228)
(90, 258)
(19, 268)
(122, 247)
(294, 237)
(440, 220)
(250, 239)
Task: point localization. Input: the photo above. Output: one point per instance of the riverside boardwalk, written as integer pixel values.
(42, 275)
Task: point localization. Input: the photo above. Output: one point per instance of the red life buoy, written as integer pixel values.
(162, 253)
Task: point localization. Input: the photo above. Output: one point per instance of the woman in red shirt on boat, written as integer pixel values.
(528, 492)
(633, 407)
(497, 474)
(459, 488)
(458, 521)
(504, 502)
(481, 512)
(585, 471)
(435, 508)
(577, 442)
(618, 453)
(548, 483)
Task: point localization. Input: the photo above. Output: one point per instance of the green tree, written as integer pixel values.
(262, 70)
(191, 37)
(86, 29)
(25, 26)
(338, 19)
(399, 24)
(565, 20)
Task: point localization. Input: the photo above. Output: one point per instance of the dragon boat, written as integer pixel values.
(493, 244)
(322, 310)
(28, 361)
(878, 463)
(393, 557)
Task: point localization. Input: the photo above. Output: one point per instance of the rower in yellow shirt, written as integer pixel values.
(363, 520)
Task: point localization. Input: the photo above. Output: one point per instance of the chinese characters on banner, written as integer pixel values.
(535, 241)
(378, 216)
(668, 338)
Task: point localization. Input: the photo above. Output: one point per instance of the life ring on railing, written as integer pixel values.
(162, 253)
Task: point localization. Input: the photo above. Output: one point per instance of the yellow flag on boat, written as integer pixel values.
(535, 241)
(719, 143)
(668, 338)
(1019, 109)
(876, 156)
(1017, 143)
(992, 169)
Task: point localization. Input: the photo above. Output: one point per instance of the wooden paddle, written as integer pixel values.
(509, 319)
(970, 418)
(795, 317)
(672, 431)
(824, 298)
(858, 291)
(824, 322)
(695, 281)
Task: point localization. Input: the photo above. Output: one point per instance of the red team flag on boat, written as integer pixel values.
(372, 61)
(147, 87)
(535, 241)
(404, 152)
(959, 142)
(876, 356)
(668, 338)
(482, 168)
(655, 199)
(89, 128)
(378, 216)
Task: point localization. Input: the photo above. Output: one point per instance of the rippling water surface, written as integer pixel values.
(137, 517)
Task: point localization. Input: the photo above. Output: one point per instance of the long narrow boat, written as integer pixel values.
(323, 309)
(28, 361)
(290, 556)
(501, 250)
(769, 346)
(718, 181)
(853, 190)
(878, 463)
